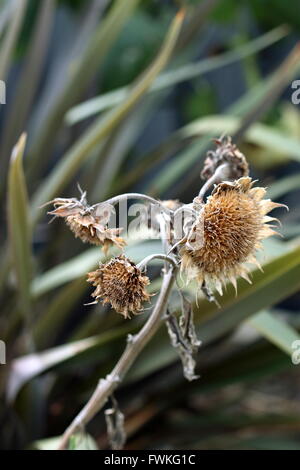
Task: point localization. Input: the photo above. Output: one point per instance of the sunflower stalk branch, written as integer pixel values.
(143, 197)
(159, 256)
(137, 343)
(222, 173)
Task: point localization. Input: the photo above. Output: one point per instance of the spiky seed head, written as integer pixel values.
(120, 283)
(233, 222)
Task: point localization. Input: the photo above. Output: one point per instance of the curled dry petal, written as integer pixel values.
(89, 223)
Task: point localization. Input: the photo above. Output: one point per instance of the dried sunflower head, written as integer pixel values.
(226, 152)
(232, 223)
(120, 283)
(89, 223)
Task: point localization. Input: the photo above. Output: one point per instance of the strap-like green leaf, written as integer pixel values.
(19, 227)
(279, 279)
(80, 74)
(275, 330)
(173, 77)
(71, 162)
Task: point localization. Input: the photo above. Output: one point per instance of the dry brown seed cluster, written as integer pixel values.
(226, 152)
(88, 223)
(233, 222)
(120, 283)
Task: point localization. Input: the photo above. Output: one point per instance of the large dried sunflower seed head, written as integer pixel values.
(231, 226)
(120, 283)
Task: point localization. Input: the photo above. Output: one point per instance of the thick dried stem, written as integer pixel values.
(134, 346)
(222, 173)
(149, 258)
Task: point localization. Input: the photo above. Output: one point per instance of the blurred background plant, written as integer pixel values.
(110, 97)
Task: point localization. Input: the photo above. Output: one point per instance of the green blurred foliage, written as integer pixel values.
(133, 50)
(152, 140)
(268, 12)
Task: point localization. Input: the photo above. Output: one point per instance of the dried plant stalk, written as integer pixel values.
(134, 346)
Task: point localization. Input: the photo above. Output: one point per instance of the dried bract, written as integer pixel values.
(89, 223)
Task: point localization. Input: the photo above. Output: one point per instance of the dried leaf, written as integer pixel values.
(183, 337)
(115, 426)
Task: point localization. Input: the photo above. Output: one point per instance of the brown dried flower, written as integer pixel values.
(232, 224)
(89, 223)
(120, 283)
(226, 152)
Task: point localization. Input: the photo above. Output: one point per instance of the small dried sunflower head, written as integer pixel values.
(226, 152)
(120, 283)
(89, 223)
(232, 224)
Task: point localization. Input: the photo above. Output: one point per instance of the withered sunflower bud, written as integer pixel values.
(232, 224)
(226, 152)
(89, 223)
(120, 283)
